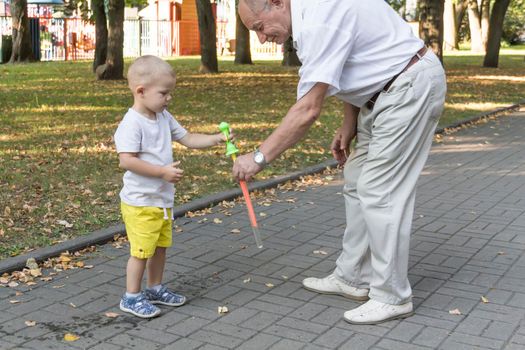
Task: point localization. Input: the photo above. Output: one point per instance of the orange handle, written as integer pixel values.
(247, 199)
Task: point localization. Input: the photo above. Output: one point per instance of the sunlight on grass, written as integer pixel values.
(57, 158)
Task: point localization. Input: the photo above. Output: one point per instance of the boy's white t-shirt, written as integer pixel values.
(151, 140)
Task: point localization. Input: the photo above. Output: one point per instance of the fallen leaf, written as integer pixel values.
(72, 305)
(501, 253)
(247, 280)
(88, 266)
(18, 293)
(31, 264)
(30, 323)
(454, 312)
(79, 264)
(284, 277)
(46, 279)
(217, 221)
(65, 223)
(262, 214)
(12, 284)
(64, 258)
(59, 286)
(269, 285)
(15, 301)
(222, 310)
(31, 283)
(321, 252)
(35, 272)
(235, 230)
(484, 299)
(111, 314)
(4, 280)
(71, 337)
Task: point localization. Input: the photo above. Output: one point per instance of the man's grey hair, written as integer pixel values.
(257, 6)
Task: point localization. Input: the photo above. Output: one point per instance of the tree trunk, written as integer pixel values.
(114, 66)
(460, 9)
(22, 50)
(208, 37)
(449, 27)
(485, 19)
(474, 21)
(290, 58)
(431, 24)
(101, 33)
(495, 31)
(243, 53)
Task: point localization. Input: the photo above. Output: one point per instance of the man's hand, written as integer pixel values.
(339, 150)
(245, 167)
(171, 173)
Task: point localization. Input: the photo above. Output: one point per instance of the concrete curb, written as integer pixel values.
(481, 116)
(105, 235)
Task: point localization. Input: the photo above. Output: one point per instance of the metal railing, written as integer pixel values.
(62, 39)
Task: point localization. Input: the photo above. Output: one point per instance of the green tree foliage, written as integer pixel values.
(514, 24)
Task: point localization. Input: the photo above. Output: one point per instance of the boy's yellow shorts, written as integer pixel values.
(147, 229)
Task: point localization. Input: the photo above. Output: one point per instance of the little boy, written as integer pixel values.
(143, 141)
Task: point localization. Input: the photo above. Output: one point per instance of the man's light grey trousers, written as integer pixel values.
(393, 142)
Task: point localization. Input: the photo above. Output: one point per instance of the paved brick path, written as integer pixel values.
(468, 242)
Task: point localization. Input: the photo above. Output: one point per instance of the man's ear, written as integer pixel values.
(276, 3)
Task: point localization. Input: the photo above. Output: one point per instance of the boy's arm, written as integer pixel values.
(131, 162)
(191, 140)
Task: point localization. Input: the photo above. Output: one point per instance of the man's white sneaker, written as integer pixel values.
(332, 285)
(374, 312)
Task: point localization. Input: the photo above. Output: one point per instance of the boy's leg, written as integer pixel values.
(134, 273)
(156, 267)
(156, 292)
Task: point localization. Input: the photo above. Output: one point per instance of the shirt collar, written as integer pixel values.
(297, 20)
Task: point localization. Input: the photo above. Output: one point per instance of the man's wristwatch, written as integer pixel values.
(259, 159)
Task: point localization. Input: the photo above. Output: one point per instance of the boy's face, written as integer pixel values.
(157, 95)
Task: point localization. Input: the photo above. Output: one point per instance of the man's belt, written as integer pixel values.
(418, 56)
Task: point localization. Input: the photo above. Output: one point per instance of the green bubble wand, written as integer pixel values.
(231, 150)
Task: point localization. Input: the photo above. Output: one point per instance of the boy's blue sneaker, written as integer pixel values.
(139, 306)
(164, 296)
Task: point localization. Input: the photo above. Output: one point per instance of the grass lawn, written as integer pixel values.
(58, 168)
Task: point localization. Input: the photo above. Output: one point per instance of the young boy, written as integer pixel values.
(143, 141)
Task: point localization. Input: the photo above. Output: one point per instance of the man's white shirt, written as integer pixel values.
(355, 46)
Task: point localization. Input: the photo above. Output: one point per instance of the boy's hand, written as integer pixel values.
(223, 137)
(171, 173)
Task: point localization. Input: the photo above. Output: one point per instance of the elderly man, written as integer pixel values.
(393, 90)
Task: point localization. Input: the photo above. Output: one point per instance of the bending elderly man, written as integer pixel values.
(393, 90)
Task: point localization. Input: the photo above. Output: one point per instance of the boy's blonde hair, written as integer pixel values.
(145, 69)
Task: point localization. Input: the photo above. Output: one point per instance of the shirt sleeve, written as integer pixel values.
(177, 131)
(128, 137)
(323, 51)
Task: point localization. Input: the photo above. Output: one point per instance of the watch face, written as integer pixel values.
(259, 158)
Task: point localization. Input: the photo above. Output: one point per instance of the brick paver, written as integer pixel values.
(468, 242)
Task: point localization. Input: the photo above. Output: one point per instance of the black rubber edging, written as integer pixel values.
(480, 117)
(106, 235)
